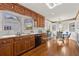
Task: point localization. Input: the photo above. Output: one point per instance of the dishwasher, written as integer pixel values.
(37, 39)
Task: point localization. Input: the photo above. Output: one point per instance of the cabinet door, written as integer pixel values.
(6, 47)
(43, 21)
(6, 50)
(22, 43)
(18, 9)
(2, 7)
(17, 46)
(40, 21)
(28, 12)
(27, 45)
(34, 16)
(8, 6)
(32, 42)
(27, 42)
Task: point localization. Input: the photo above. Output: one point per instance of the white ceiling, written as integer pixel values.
(61, 12)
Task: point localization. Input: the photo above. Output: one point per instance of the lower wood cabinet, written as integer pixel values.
(16, 45)
(27, 42)
(6, 47)
(23, 43)
(44, 37)
(32, 41)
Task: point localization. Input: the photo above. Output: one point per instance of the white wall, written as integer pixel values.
(66, 28)
(48, 25)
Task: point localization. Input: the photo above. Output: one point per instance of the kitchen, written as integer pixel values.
(27, 30)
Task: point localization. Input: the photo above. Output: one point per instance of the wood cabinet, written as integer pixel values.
(16, 45)
(23, 43)
(32, 41)
(44, 37)
(24, 11)
(2, 7)
(34, 16)
(9, 6)
(40, 21)
(6, 47)
(18, 9)
(19, 45)
(27, 42)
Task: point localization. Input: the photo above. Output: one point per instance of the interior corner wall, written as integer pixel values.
(65, 28)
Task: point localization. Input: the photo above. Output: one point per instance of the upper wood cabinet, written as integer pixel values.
(23, 43)
(18, 9)
(34, 16)
(27, 12)
(8, 6)
(24, 11)
(2, 6)
(40, 21)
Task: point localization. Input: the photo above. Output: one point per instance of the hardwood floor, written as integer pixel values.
(52, 48)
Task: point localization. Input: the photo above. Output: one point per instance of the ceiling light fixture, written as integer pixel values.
(52, 5)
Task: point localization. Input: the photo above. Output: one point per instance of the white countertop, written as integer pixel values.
(8, 36)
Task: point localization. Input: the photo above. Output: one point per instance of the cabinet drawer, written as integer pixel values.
(4, 41)
(16, 39)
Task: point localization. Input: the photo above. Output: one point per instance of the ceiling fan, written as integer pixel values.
(52, 5)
